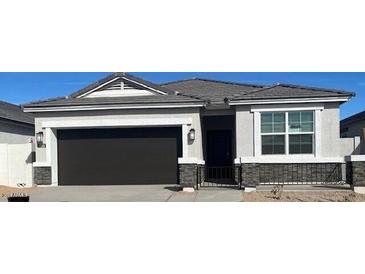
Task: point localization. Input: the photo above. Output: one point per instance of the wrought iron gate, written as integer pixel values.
(218, 176)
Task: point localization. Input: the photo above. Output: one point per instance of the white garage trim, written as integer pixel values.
(115, 122)
(110, 107)
(52, 126)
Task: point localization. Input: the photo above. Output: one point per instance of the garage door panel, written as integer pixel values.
(117, 157)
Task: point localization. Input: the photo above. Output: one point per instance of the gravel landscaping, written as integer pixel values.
(301, 196)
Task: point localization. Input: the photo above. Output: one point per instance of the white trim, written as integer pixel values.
(355, 158)
(115, 122)
(96, 88)
(124, 78)
(286, 108)
(107, 107)
(271, 159)
(184, 136)
(285, 101)
(41, 164)
(257, 132)
(317, 133)
(143, 85)
(191, 161)
(317, 129)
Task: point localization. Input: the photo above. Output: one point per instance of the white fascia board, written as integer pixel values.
(288, 159)
(115, 122)
(287, 108)
(100, 86)
(289, 101)
(143, 85)
(107, 107)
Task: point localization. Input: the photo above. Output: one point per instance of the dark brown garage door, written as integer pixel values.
(118, 156)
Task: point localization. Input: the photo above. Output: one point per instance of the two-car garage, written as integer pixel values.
(119, 156)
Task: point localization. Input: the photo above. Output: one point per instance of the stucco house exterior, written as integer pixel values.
(16, 127)
(125, 130)
(354, 126)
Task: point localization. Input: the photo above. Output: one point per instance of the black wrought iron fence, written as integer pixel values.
(218, 176)
(303, 173)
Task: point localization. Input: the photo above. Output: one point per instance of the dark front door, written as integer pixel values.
(219, 148)
(118, 156)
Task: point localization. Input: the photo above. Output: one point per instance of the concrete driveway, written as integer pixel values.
(145, 193)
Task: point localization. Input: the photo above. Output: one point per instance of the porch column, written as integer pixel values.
(355, 172)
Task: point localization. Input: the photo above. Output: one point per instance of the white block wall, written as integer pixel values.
(16, 164)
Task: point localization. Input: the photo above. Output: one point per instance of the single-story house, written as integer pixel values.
(354, 126)
(16, 127)
(195, 132)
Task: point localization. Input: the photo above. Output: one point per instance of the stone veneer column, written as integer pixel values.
(250, 175)
(42, 175)
(355, 172)
(188, 175)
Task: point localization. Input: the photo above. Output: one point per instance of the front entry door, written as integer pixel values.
(219, 148)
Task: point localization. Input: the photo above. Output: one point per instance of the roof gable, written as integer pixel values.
(119, 88)
(120, 84)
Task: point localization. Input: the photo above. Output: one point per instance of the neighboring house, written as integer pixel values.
(125, 130)
(16, 127)
(355, 126)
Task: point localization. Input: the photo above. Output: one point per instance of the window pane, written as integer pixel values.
(279, 127)
(273, 144)
(279, 117)
(307, 116)
(267, 145)
(307, 127)
(272, 122)
(294, 127)
(301, 144)
(279, 144)
(266, 128)
(294, 117)
(266, 117)
(294, 144)
(301, 121)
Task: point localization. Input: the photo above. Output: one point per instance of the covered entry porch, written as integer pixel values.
(219, 150)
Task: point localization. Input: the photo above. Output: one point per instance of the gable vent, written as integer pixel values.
(120, 88)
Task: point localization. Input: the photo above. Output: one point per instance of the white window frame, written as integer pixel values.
(257, 110)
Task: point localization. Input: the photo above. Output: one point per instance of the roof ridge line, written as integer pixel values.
(254, 91)
(213, 80)
(314, 88)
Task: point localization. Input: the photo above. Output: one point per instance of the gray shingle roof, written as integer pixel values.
(354, 118)
(153, 99)
(211, 90)
(288, 91)
(15, 113)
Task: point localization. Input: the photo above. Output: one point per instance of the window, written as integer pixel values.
(287, 132)
(273, 132)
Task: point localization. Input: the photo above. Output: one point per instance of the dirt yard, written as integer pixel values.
(308, 196)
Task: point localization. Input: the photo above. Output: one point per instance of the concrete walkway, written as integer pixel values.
(145, 193)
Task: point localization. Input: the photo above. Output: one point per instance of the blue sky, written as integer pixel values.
(24, 87)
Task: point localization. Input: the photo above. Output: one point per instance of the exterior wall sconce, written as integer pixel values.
(192, 134)
(40, 139)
